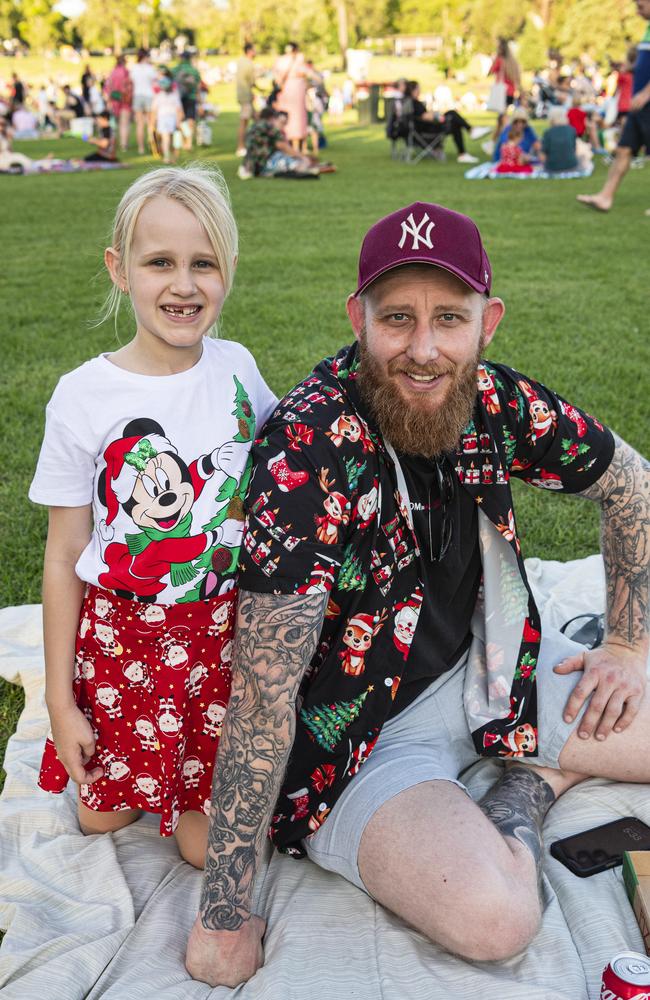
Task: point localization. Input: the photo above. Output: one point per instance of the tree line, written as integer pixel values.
(599, 28)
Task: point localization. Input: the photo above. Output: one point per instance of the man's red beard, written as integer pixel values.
(412, 423)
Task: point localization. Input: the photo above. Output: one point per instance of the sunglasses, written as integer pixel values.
(446, 493)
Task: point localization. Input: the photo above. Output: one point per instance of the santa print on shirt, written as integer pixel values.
(325, 537)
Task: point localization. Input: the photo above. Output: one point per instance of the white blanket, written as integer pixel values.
(108, 916)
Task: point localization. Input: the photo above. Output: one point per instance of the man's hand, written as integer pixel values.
(75, 743)
(615, 676)
(225, 958)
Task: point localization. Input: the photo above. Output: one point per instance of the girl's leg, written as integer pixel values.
(92, 821)
(165, 142)
(192, 837)
(125, 121)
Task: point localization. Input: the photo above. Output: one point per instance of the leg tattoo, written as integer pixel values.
(517, 805)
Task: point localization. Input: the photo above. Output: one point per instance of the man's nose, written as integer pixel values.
(423, 347)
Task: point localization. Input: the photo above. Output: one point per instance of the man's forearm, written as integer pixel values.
(276, 638)
(624, 494)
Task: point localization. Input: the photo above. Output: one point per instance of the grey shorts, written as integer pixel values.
(142, 102)
(431, 740)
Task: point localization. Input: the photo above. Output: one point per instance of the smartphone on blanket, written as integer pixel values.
(602, 847)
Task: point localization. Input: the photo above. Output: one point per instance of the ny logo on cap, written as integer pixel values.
(409, 228)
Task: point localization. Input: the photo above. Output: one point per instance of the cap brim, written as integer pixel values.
(476, 286)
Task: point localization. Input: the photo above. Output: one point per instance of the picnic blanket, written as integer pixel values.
(488, 170)
(108, 916)
(53, 166)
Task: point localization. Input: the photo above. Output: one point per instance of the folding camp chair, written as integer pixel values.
(421, 142)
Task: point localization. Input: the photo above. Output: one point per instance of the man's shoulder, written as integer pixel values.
(323, 406)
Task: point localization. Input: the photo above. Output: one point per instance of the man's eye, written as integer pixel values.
(398, 317)
(449, 317)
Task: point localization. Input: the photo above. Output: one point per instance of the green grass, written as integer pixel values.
(574, 283)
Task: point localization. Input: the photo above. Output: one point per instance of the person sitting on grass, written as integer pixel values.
(356, 709)
(269, 153)
(104, 141)
(10, 161)
(558, 151)
(518, 145)
(72, 108)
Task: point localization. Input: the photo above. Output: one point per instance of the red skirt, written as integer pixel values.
(153, 681)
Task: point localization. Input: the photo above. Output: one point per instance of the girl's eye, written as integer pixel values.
(159, 262)
(150, 486)
(204, 264)
(162, 480)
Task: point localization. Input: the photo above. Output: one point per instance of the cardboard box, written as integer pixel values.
(636, 875)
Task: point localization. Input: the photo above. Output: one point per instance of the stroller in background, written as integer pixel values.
(543, 96)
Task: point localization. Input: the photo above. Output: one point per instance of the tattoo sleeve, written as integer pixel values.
(275, 640)
(623, 492)
(517, 805)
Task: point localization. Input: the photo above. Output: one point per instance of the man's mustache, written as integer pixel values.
(397, 367)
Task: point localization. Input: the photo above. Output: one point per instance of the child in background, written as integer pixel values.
(624, 82)
(104, 141)
(166, 116)
(144, 466)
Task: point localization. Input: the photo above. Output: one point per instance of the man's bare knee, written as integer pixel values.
(492, 923)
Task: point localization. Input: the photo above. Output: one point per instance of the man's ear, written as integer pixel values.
(492, 316)
(356, 313)
(112, 262)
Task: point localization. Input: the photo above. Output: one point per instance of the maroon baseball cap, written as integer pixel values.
(423, 233)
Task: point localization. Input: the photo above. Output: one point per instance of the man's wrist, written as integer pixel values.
(225, 931)
(639, 646)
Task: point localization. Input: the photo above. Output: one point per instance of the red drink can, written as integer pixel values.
(627, 977)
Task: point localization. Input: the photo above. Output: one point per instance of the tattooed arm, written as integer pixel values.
(616, 671)
(275, 639)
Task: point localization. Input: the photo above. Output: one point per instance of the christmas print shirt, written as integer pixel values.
(324, 514)
(164, 461)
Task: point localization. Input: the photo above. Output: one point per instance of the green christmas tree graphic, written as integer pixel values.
(510, 442)
(351, 576)
(353, 470)
(223, 559)
(327, 723)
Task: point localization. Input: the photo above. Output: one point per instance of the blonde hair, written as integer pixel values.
(203, 191)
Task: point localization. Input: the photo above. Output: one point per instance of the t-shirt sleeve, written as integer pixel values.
(550, 443)
(66, 468)
(266, 402)
(298, 509)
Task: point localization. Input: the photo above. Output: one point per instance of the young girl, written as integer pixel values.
(166, 116)
(144, 466)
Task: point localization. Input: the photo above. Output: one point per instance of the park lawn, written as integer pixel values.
(572, 280)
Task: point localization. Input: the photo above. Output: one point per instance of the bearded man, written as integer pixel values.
(361, 769)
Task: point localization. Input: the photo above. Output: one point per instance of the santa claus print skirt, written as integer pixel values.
(153, 681)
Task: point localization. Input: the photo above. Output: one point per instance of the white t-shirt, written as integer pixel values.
(165, 106)
(164, 462)
(143, 75)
